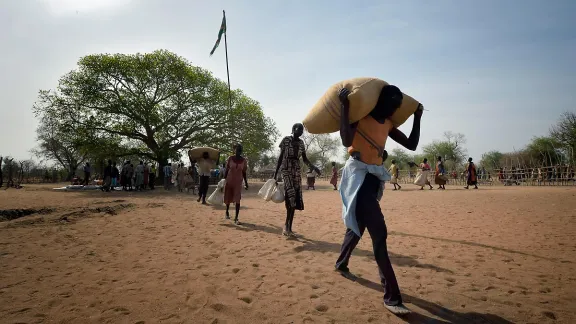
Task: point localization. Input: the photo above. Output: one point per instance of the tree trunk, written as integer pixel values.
(160, 178)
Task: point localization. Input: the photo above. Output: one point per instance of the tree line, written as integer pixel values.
(155, 106)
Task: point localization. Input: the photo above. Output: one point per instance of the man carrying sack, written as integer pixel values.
(363, 180)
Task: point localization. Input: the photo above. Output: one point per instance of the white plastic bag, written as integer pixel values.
(278, 193)
(421, 178)
(221, 184)
(216, 198)
(267, 190)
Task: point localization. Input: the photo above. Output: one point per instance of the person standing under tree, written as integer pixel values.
(86, 173)
(205, 165)
(115, 175)
(234, 173)
(291, 150)
(362, 184)
(152, 176)
(167, 176)
(107, 177)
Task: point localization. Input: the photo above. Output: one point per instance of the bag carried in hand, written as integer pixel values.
(216, 198)
(267, 190)
(278, 194)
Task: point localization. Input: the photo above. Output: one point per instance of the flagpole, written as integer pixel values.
(227, 69)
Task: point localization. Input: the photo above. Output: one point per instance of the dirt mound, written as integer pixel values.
(10, 214)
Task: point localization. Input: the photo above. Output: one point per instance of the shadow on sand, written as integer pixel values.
(446, 315)
(323, 247)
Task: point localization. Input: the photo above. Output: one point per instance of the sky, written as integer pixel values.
(498, 71)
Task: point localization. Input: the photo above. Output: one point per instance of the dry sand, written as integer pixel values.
(494, 255)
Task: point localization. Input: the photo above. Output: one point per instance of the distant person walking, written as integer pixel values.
(393, 170)
(334, 179)
(440, 174)
(471, 173)
(205, 165)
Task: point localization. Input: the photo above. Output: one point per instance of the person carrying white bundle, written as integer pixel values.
(422, 177)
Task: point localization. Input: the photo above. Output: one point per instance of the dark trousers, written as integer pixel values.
(151, 180)
(86, 178)
(203, 187)
(369, 215)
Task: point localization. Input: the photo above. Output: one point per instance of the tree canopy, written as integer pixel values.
(451, 149)
(154, 106)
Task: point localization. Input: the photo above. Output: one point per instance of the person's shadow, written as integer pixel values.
(446, 315)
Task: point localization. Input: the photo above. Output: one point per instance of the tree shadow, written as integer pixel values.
(446, 315)
(397, 259)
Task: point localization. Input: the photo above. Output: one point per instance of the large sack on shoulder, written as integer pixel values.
(196, 153)
(324, 117)
(267, 190)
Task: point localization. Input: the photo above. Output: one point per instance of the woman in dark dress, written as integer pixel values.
(291, 149)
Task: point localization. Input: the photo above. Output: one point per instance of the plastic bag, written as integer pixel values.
(278, 193)
(216, 198)
(267, 190)
(221, 184)
(421, 178)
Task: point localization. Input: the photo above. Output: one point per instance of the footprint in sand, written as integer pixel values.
(246, 299)
(217, 307)
(321, 308)
(235, 270)
(313, 296)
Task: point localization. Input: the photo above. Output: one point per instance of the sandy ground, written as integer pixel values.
(495, 255)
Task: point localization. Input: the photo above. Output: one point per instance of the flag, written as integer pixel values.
(220, 33)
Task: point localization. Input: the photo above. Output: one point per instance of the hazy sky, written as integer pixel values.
(499, 71)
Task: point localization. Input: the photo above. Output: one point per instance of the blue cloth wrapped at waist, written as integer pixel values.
(353, 175)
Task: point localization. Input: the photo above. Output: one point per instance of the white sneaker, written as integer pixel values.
(398, 310)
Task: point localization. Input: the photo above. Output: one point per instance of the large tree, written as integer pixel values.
(58, 142)
(154, 106)
(544, 151)
(451, 149)
(564, 133)
(492, 160)
(321, 149)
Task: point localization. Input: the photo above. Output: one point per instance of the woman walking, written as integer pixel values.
(425, 171)
(234, 173)
(310, 179)
(472, 176)
(440, 174)
(291, 150)
(334, 179)
(181, 177)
